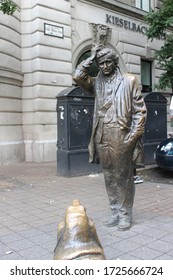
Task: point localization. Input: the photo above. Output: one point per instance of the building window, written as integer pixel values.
(128, 2)
(145, 5)
(146, 75)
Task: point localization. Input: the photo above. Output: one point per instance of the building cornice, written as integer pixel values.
(117, 6)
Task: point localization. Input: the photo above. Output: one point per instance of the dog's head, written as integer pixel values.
(77, 236)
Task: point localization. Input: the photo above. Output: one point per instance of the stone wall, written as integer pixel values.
(11, 133)
(46, 66)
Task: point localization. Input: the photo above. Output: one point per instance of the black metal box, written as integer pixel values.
(156, 124)
(74, 126)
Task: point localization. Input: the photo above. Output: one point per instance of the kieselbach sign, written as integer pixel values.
(114, 20)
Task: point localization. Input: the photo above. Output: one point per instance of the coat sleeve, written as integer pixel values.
(139, 111)
(82, 78)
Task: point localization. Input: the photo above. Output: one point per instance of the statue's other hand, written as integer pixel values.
(129, 141)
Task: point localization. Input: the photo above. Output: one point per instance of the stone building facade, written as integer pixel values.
(39, 48)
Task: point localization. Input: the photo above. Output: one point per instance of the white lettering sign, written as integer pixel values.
(53, 30)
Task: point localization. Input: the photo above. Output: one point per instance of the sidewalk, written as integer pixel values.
(33, 200)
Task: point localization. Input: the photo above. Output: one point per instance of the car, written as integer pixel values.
(164, 154)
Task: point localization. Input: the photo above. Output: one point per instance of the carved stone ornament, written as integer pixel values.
(101, 34)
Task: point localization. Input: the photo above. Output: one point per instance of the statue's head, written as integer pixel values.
(107, 53)
(107, 60)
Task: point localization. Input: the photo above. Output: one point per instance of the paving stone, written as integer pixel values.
(128, 257)
(41, 238)
(164, 257)
(5, 231)
(4, 249)
(168, 227)
(141, 239)
(111, 253)
(8, 238)
(49, 246)
(21, 244)
(33, 253)
(168, 238)
(19, 228)
(161, 246)
(50, 227)
(125, 246)
(170, 253)
(140, 227)
(145, 253)
(150, 222)
(29, 218)
(10, 222)
(32, 208)
(164, 218)
(106, 240)
(45, 257)
(12, 256)
(123, 234)
(156, 233)
(31, 232)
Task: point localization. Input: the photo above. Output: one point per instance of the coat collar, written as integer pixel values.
(118, 80)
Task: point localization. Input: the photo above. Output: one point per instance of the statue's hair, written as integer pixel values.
(109, 53)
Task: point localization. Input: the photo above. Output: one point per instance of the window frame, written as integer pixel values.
(140, 5)
(147, 87)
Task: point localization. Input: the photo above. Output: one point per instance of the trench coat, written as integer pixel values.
(129, 107)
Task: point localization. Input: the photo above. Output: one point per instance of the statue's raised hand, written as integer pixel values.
(95, 49)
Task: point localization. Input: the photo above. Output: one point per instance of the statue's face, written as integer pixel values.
(106, 65)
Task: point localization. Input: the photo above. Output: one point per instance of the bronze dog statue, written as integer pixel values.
(77, 236)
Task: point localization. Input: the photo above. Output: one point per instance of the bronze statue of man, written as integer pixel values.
(118, 125)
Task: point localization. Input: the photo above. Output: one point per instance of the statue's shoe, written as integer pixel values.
(124, 225)
(112, 221)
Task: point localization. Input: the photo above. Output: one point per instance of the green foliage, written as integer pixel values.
(160, 20)
(160, 27)
(8, 7)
